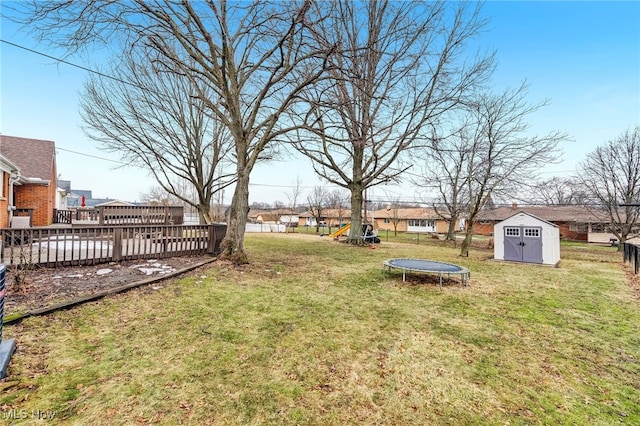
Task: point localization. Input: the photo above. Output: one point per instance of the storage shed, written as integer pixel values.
(524, 237)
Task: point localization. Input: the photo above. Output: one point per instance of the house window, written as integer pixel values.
(422, 223)
(387, 220)
(579, 227)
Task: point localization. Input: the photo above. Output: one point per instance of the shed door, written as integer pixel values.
(523, 244)
(512, 243)
(532, 245)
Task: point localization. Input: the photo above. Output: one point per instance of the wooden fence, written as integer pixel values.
(632, 255)
(101, 244)
(122, 215)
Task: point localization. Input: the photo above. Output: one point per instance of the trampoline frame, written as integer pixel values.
(464, 273)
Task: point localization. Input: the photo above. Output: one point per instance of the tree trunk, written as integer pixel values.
(233, 243)
(451, 231)
(355, 233)
(466, 243)
(204, 214)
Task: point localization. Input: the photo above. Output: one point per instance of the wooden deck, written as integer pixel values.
(77, 245)
(121, 215)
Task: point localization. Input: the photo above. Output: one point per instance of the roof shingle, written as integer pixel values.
(34, 157)
(548, 213)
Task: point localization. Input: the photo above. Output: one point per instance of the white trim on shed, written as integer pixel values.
(526, 238)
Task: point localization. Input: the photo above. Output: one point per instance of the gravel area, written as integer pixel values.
(46, 287)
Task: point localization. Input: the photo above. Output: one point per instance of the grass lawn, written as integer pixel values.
(311, 332)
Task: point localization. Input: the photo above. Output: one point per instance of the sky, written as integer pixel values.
(583, 57)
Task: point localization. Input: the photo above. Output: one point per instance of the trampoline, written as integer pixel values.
(431, 266)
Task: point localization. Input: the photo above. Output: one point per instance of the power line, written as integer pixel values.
(101, 74)
(84, 68)
(71, 64)
(92, 156)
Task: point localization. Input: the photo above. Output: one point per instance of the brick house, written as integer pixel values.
(31, 185)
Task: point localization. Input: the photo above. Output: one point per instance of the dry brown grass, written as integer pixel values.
(311, 332)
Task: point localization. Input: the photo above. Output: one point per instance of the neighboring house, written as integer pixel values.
(63, 192)
(74, 198)
(65, 185)
(286, 217)
(61, 199)
(410, 219)
(329, 217)
(574, 222)
(263, 216)
(32, 184)
(289, 219)
(307, 219)
(10, 174)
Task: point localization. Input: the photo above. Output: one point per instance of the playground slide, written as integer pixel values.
(340, 231)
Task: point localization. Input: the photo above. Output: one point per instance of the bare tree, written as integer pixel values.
(316, 203)
(338, 201)
(294, 194)
(151, 118)
(260, 205)
(396, 68)
(393, 215)
(556, 191)
(254, 57)
(610, 176)
(444, 170)
(499, 155)
(156, 195)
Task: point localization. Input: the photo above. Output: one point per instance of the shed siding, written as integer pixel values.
(550, 237)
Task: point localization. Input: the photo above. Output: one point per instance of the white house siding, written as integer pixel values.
(421, 225)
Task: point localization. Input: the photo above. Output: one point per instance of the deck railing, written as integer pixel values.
(632, 255)
(62, 216)
(122, 215)
(101, 244)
